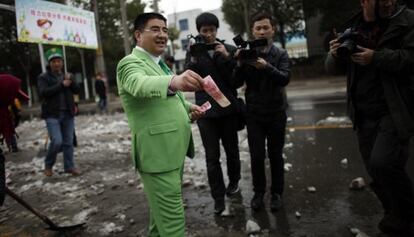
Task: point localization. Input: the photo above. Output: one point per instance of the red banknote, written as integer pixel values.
(206, 106)
(212, 89)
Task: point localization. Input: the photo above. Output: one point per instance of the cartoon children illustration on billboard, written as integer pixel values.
(45, 25)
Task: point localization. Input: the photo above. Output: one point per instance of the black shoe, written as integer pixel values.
(276, 203)
(219, 206)
(257, 201)
(233, 188)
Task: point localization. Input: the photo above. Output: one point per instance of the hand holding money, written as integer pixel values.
(197, 112)
(187, 81)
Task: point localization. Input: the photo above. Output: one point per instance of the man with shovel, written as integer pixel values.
(9, 90)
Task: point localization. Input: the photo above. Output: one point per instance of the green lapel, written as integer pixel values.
(148, 60)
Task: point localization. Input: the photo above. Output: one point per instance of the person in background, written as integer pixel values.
(100, 88)
(15, 109)
(9, 91)
(170, 60)
(380, 103)
(56, 89)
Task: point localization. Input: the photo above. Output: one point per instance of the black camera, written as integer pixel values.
(349, 40)
(250, 54)
(200, 47)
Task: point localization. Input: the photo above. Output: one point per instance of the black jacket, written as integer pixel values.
(394, 62)
(50, 88)
(265, 88)
(220, 69)
(100, 88)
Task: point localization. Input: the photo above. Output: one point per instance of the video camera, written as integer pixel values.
(248, 55)
(200, 47)
(349, 40)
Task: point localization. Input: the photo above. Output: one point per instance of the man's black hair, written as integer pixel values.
(142, 19)
(261, 16)
(206, 19)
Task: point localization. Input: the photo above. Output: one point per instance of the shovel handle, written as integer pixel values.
(44, 218)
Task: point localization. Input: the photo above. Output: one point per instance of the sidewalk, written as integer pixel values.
(316, 87)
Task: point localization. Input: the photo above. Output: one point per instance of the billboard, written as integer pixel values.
(52, 23)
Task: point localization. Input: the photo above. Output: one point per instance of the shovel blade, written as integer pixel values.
(65, 228)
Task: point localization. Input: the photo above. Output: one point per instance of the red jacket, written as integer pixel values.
(9, 90)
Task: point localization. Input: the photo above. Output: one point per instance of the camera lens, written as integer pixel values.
(347, 48)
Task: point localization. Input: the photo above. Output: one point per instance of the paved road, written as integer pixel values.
(110, 199)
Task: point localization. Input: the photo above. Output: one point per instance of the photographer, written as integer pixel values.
(380, 103)
(265, 80)
(218, 123)
(58, 108)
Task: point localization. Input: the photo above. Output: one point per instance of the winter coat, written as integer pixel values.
(265, 88)
(50, 88)
(393, 60)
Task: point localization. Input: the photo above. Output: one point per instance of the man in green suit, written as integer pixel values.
(159, 119)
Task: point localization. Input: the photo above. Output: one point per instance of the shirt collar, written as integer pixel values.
(156, 59)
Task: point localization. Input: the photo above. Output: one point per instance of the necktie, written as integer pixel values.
(164, 67)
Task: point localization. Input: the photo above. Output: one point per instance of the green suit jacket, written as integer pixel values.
(160, 124)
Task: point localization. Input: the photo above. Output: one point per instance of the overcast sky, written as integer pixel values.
(169, 6)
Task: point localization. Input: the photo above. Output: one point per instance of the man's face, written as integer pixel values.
(153, 38)
(368, 9)
(209, 33)
(263, 29)
(56, 65)
(387, 8)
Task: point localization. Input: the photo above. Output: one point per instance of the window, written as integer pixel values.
(183, 24)
(184, 44)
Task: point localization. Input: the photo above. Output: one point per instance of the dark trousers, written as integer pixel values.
(14, 143)
(213, 130)
(385, 157)
(272, 131)
(102, 103)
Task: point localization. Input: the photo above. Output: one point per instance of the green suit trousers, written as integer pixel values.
(164, 194)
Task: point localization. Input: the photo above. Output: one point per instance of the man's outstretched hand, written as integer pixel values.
(187, 81)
